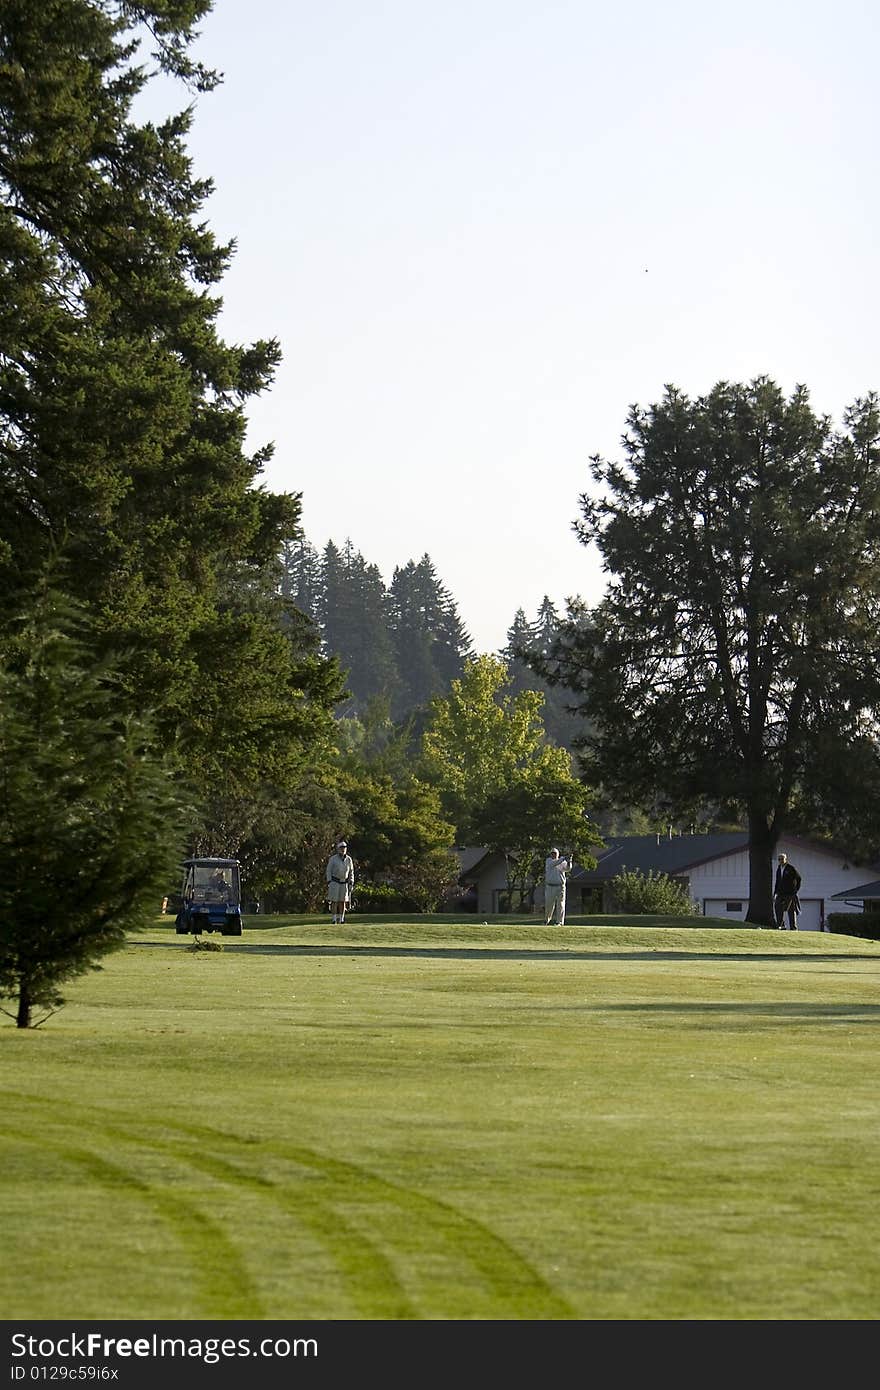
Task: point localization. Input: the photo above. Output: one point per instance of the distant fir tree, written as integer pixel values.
(537, 639)
(301, 576)
(430, 640)
(354, 616)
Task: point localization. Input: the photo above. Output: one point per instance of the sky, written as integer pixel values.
(482, 229)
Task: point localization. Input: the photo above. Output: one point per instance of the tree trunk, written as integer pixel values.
(762, 843)
(23, 1017)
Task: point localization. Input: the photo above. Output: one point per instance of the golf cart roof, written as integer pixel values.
(208, 861)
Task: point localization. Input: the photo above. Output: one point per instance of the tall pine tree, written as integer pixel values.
(429, 638)
(526, 641)
(91, 817)
(122, 411)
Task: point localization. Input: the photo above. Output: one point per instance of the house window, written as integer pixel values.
(734, 907)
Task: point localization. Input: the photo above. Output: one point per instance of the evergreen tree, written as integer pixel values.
(452, 642)
(354, 618)
(734, 657)
(527, 642)
(301, 577)
(429, 639)
(412, 641)
(122, 412)
(368, 653)
(91, 821)
(333, 605)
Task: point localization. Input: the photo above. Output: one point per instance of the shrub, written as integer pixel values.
(652, 892)
(863, 924)
(381, 897)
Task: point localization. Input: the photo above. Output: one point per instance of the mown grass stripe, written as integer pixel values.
(223, 1285)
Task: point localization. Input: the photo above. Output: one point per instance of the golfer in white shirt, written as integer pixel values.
(555, 875)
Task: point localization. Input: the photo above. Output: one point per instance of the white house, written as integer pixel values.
(714, 870)
(720, 884)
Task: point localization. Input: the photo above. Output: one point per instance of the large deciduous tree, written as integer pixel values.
(397, 832)
(734, 656)
(500, 781)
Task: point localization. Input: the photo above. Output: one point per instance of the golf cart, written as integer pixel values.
(211, 896)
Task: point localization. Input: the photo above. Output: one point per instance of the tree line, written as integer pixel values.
(406, 642)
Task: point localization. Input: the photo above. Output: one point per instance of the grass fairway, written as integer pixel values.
(437, 1119)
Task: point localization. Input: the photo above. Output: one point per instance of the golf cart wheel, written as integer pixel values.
(234, 930)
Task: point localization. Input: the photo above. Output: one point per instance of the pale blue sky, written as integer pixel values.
(482, 228)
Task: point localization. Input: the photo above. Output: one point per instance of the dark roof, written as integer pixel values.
(662, 854)
(469, 856)
(866, 892)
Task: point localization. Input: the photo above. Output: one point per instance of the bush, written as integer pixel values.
(641, 893)
(863, 924)
(381, 897)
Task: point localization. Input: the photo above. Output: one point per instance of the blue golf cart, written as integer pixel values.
(211, 895)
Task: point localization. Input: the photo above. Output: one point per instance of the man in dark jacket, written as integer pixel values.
(785, 894)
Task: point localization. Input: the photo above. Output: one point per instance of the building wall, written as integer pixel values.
(491, 882)
(726, 880)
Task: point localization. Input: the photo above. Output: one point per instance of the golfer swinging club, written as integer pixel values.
(555, 875)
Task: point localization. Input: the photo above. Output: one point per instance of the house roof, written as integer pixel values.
(866, 892)
(469, 856)
(663, 854)
(660, 853)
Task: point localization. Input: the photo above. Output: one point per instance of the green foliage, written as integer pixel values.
(122, 412)
(381, 897)
(524, 819)
(499, 779)
(733, 659)
(393, 823)
(402, 644)
(637, 892)
(426, 881)
(353, 611)
(397, 832)
(91, 820)
(285, 847)
(429, 638)
(863, 924)
(480, 741)
(532, 641)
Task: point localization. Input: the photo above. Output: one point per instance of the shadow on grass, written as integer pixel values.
(512, 953)
(869, 1012)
